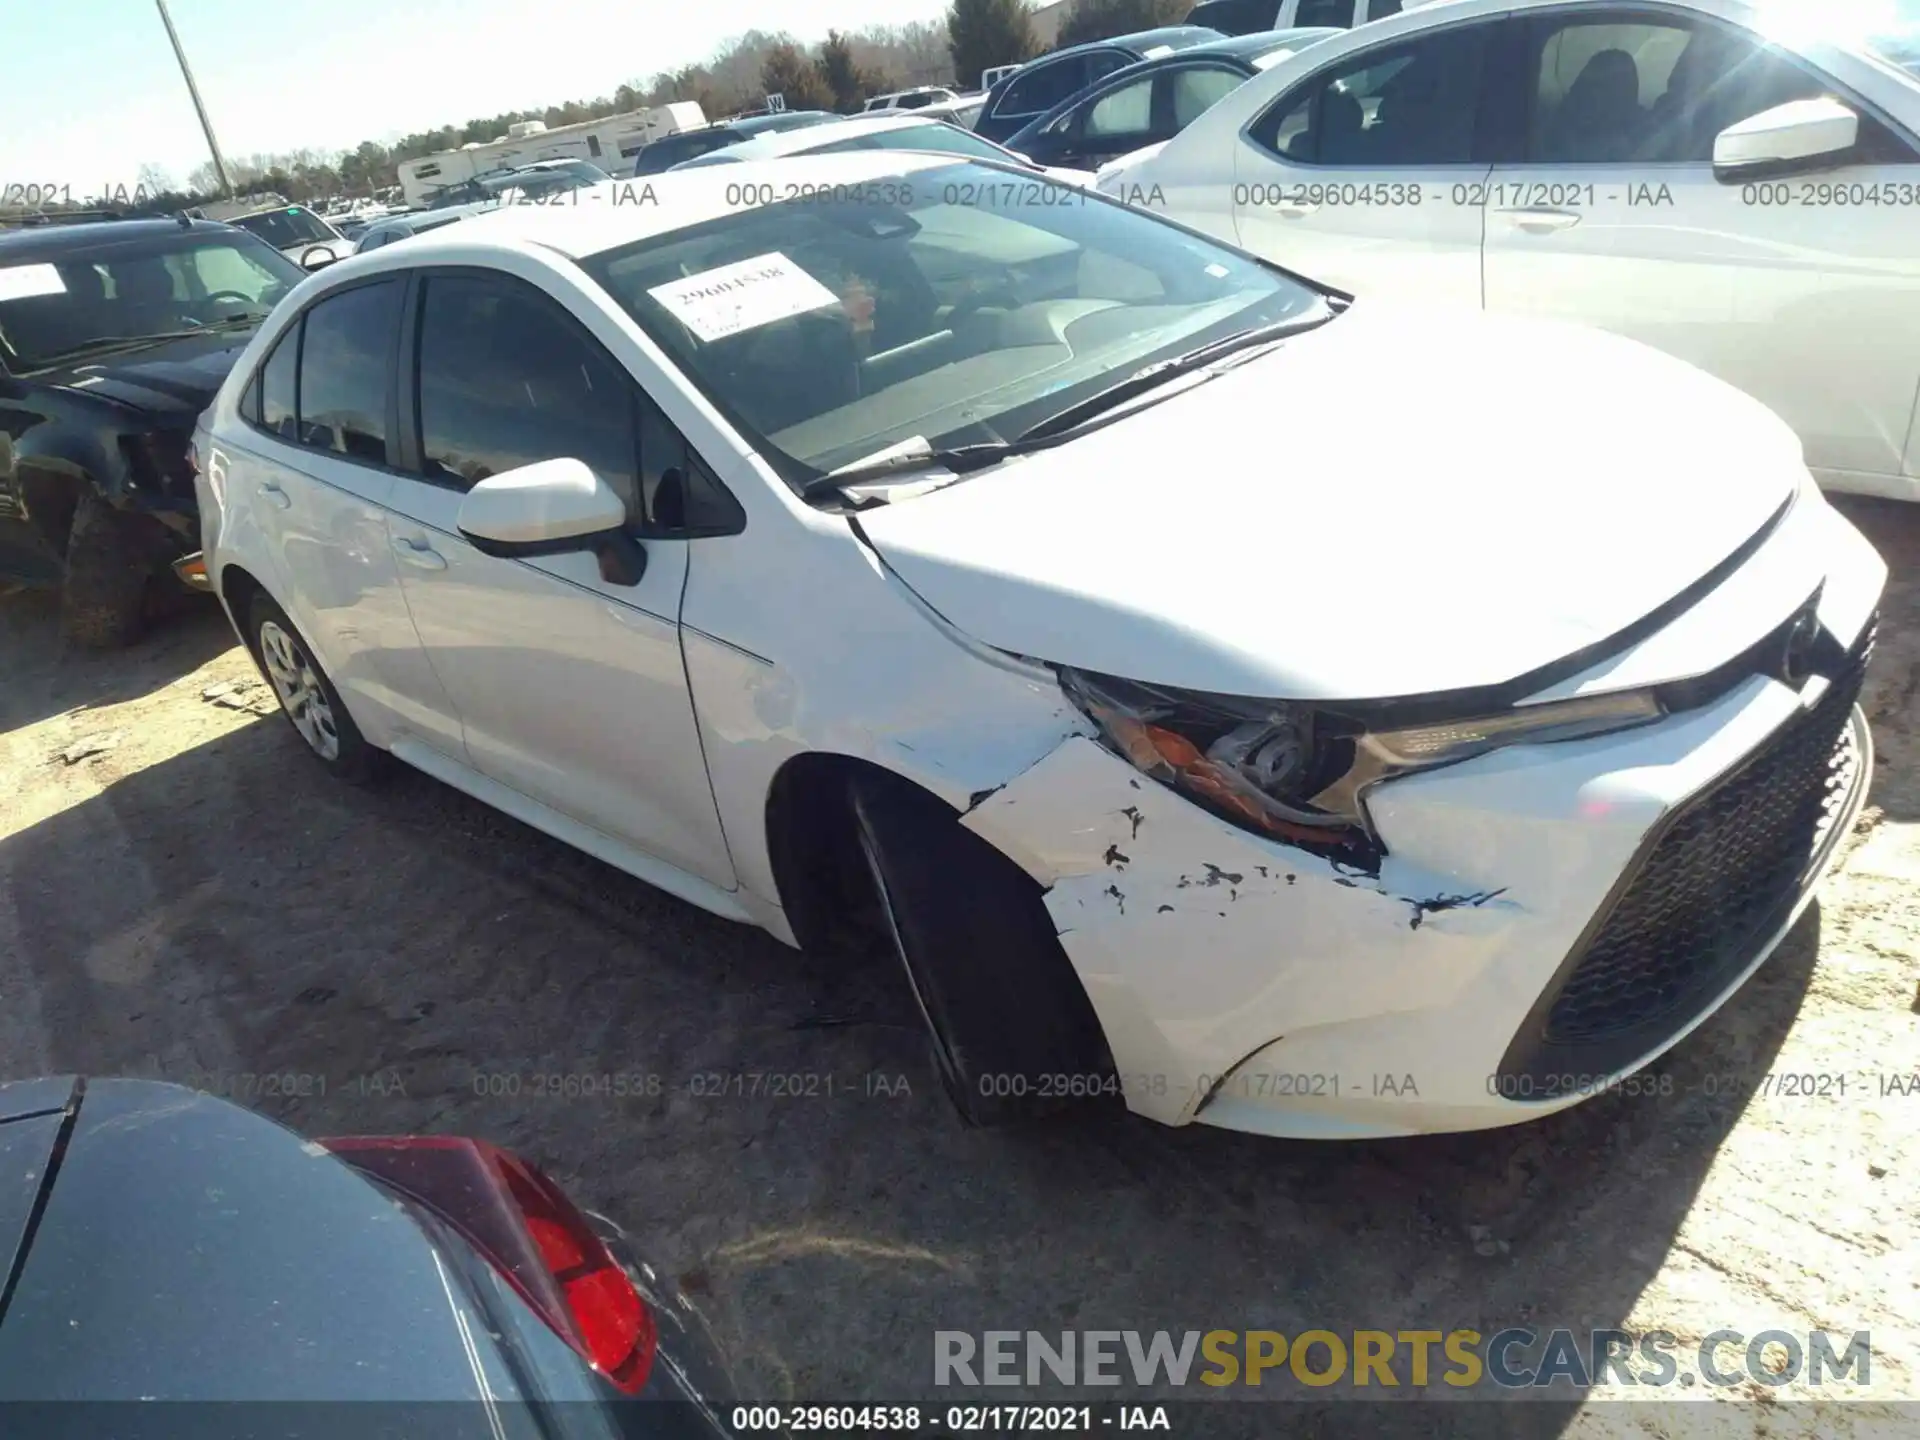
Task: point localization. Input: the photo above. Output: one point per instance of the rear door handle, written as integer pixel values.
(1296, 209)
(275, 495)
(419, 554)
(1540, 219)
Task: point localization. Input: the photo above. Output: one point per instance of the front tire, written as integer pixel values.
(1012, 1031)
(307, 696)
(103, 604)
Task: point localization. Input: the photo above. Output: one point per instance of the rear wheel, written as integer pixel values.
(1012, 1031)
(103, 604)
(307, 697)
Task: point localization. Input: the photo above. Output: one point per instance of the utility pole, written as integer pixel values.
(206, 125)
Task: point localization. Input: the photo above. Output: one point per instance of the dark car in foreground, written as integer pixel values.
(1040, 84)
(1154, 100)
(669, 150)
(114, 335)
(167, 1246)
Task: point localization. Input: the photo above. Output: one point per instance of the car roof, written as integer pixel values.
(799, 140)
(31, 241)
(1180, 37)
(624, 212)
(286, 209)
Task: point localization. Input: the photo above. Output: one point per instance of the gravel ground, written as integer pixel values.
(184, 895)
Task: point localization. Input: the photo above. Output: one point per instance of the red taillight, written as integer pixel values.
(530, 1232)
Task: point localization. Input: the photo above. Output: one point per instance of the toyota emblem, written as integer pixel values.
(1796, 654)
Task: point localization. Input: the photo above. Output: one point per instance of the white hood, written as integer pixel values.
(1397, 503)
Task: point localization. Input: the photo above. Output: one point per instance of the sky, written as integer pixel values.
(90, 91)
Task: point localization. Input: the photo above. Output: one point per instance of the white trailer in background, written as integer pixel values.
(611, 143)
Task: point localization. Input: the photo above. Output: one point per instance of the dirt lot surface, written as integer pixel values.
(184, 894)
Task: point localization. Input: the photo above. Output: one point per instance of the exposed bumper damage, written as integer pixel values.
(1246, 983)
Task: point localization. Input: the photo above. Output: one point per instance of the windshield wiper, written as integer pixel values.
(915, 454)
(1150, 377)
(106, 344)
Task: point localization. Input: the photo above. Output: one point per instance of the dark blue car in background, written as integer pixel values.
(1041, 84)
(1153, 100)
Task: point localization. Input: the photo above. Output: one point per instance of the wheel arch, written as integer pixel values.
(811, 845)
(237, 587)
(823, 878)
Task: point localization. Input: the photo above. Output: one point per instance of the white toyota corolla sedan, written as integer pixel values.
(1280, 712)
(1736, 182)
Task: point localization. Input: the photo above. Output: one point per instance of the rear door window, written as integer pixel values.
(276, 399)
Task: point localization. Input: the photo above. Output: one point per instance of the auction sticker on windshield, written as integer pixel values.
(21, 282)
(743, 296)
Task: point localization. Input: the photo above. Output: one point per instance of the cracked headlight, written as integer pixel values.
(1300, 772)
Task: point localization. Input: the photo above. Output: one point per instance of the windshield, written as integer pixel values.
(962, 304)
(284, 229)
(122, 291)
(931, 136)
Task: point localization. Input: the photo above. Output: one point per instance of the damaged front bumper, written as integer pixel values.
(1547, 919)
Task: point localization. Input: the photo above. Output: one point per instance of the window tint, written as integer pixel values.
(1041, 87)
(346, 380)
(1337, 13)
(1127, 111)
(1616, 92)
(275, 409)
(1380, 9)
(1411, 104)
(283, 229)
(1103, 63)
(506, 380)
(1197, 89)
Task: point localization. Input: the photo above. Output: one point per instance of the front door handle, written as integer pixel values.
(1295, 209)
(419, 554)
(1541, 219)
(275, 495)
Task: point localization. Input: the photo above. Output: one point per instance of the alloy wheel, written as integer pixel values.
(301, 694)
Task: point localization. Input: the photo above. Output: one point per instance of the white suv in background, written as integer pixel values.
(924, 539)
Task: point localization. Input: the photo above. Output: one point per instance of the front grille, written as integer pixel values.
(1709, 890)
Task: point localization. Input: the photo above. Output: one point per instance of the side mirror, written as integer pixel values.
(553, 507)
(1789, 139)
(317, 257)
